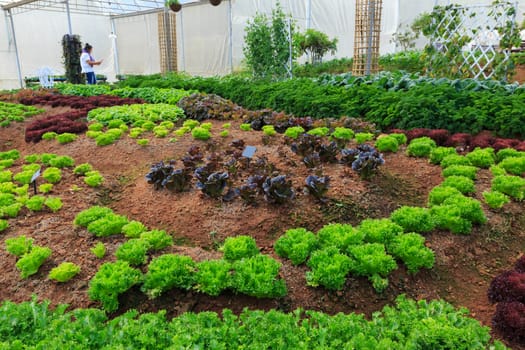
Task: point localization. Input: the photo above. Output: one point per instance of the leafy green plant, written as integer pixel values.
(213, 276)
(437, 154)
(512, 186)
(294, 132)
(133, 251)
(362, 137)
(329, 268)
(157, 239)
(66, 138)
(200, 133)
(53, 203)
(143, 142)
(413, 219)
(439, 193)
(111, 280)
(410, 248)
(191, 124)
(52, 175)
(96, 126)
(133, 229)
(387, 143)
(93, 179)
(258, 276)
(372, 261)
(495, 199)
(50, 135)
(379, 230)
(61, 161)
(319, 131)
(454, 159)
(421, 147)
(245, 127)
(447, 217)
(224, 133)
(64, 272)
(508, 152)
(4, 224)
(513, 165)
(109, 224)
(160, 131)
(469, 208)
(135, 132)
(24, 177)
(401, 138)
(296, 245)
(45, 158)
(341, 236)
(6, 176)
(30, 262)
(45, 188)
(82, 169)
(269, 130)
(236, 248)
(461, 183)
(342, 136)
(99, 250)
(482, 157)
(85, 217)
(19, 246)
(168, 271)
(461, 170)
(105, 139)
(315, 44)
(35, 203)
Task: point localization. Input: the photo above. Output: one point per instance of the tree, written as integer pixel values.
(315, 44)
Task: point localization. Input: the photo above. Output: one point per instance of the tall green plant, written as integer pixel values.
(71, 51)
(315, 44)
(267, 44)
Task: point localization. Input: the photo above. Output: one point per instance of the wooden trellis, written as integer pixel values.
(366, 41)
(167, 41)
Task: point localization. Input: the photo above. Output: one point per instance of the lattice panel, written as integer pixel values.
(167, 41)
(367, 32)
(479, 24)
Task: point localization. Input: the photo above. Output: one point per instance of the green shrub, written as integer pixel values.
(226, 125)
(513, 165)
(169, 271)
(64, 272)
(35, 203)
(148, 125)
(133, 251)
(340, 236)
(439, 193)
(66, 138)
(245, 127)
(469, 208)
(160, 131)
(269, 130)
(200, 133)
(213, 276)
(82, 169)
(190, 124)
(95, 127)
(115, 123)
(461, 183)
(413, 219)
(257, 276)
(482, 157)
(379, 230)
(143, 142)
(46, 158)
(294, 132)
(32, 168)
(61, 162)
(50, 135)
(52, 175)
(11, 210)
(24, 177)
(371, 260)
(19, 246)
(362, 137)
(85, 217)
(296, 245)
(53, 203)
(45, 188)
(421, 147)
(110, 224)
(512, 186)
(111, 280)
(448, 217)
(157, 239)
(12, 154)
(135, 132)
(9, 187)
(508, 152)
(454, 159)
(224, 133)
(105, 139)
(401, 138)
(133, 229)
(236, 248)
(386, 144)
(93, 134)
(99, 250)
(116, 133)
(461, 170)
(32, 158)
(410, 248)
(329, 268)
(206, 126)
(496, 170)
(6, 163)
(342, 136)
(495, 199)
(6, 176)
(93, 179)
(30, 262)
(320, 131)
(7, 199)
(4, 224)
(181, 131)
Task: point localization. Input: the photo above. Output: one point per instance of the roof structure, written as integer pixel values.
(91, 7)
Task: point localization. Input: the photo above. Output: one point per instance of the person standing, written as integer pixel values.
(87, 62)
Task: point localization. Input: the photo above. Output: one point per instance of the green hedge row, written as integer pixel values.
(425, 104)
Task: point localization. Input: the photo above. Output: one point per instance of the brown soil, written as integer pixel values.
(464, 266)
(519, 76)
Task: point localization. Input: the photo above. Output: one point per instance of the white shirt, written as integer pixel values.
(86, 68)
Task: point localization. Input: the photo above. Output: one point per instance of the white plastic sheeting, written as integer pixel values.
(203, 35)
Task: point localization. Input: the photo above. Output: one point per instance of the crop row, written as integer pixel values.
(10, 112)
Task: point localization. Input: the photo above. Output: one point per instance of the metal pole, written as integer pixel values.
(230, 33)
(372, 14)
(19, 70)
(113, 29)
(68, 17)
(182, 54)
(290, 57)
(308, 14)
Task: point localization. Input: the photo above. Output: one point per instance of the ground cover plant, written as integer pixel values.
(11, 112)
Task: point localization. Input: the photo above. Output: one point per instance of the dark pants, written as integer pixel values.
(90, 76)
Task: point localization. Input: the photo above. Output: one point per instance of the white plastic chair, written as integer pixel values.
(45, 76)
